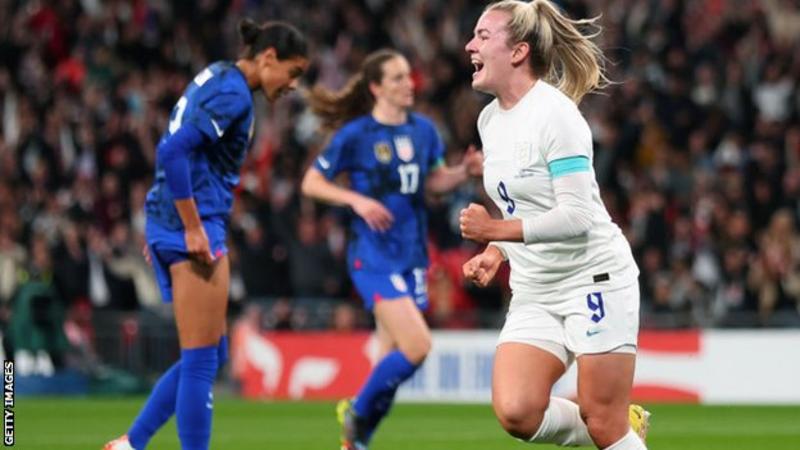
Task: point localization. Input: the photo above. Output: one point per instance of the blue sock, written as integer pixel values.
(161, 404)
(194, 402)
(382, 406)
(222, 352)
(371, 402)
(157, 410)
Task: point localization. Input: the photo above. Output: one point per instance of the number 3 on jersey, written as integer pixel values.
(409, 178)
(180, 107)
(503, 192)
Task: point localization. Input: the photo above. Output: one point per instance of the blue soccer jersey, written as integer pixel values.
(219, 103)
(388, 163)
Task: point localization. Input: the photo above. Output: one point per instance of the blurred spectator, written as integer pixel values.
(279, 317)
(312, 270)
(110, 287)
(775, 275)
(344, 318)
(35, 331)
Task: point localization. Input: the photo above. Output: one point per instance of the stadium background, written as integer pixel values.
(697, 150)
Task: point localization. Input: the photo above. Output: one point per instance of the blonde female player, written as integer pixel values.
(574, 280)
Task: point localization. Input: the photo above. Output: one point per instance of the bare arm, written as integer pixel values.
(316, 186)
(445, 179)
(197, 243)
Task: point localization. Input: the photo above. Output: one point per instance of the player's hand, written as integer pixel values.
(476, 224)
(146, 254)
(482, 268)
(473, 160)
(197, 245)
(376, 215)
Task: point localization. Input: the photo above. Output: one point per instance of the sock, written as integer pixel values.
(562, 425)
(194, 402)
(377, 394)
(160, 406)
(382, 405)
(222, 352)
(157, 409)
(630, 441)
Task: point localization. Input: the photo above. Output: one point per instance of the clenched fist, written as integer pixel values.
(482, 268)
(476, 224)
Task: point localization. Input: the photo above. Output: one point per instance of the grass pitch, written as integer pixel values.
(86, 424)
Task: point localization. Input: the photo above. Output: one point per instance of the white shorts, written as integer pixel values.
(603, 321)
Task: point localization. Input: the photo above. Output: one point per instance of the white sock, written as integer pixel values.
(630, 441)
(562, 425)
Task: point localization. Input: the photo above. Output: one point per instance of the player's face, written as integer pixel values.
(279, 76)
(396, 87)
(489, 52)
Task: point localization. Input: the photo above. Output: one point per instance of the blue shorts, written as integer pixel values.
(378, 286)
(168, 247)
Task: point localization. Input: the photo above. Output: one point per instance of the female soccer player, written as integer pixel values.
(574, 280)
(198, 163)
(391, 155)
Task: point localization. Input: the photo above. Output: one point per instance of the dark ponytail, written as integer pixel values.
(287, 40)
(355, 99)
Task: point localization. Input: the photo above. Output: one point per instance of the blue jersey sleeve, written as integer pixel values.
(337, 157)
(218, 105)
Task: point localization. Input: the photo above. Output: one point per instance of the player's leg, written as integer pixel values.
(602, 327)
(522, 379)
(385, 342)
(160, 406)
(200, 297)
(604, 388)
(416, 286)
(344, 407)
(405, 327)
(530, 358)
(404, 331)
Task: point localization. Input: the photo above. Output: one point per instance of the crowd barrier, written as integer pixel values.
(708, 366)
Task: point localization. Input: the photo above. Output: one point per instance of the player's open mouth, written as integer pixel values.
(478, 66)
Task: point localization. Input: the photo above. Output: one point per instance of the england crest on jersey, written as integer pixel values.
(404, 148)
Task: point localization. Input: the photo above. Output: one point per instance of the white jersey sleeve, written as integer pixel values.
(567, 151)
(572, 215)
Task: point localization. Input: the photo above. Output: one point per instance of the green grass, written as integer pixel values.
(81, 424)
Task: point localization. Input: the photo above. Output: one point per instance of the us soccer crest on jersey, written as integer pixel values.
(404, 147)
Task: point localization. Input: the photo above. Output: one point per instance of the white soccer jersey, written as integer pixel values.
(520, 146)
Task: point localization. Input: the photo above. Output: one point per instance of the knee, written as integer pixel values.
(606, 426)
(518, 417)
(417, 348)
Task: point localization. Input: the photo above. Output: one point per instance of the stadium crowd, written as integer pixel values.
(697, 151)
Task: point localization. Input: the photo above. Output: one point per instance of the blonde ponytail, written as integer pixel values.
(560, 54)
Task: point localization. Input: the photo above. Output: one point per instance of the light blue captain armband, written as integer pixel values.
(566, 166)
